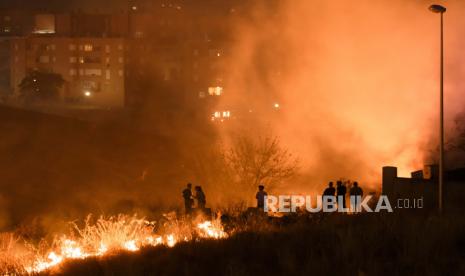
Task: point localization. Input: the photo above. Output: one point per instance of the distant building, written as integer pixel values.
(15, 23)
(114, 60)
(92, 67)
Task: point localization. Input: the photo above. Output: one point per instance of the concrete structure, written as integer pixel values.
(92, 67)
(424, 184)
(418, 186)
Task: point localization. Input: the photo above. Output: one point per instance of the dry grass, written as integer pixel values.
(112, 232)
(332, 245)
(101, 237)
(12, 257)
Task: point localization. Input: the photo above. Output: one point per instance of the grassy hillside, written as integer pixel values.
(334, 245)
(52, 166)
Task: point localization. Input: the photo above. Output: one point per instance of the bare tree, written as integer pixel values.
(209, 168)
(260, 161)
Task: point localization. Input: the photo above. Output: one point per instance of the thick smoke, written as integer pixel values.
(357, 82)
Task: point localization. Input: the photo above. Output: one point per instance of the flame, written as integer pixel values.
(208, 230)
(120, 233)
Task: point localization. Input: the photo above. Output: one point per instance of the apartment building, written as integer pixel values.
(92, 67)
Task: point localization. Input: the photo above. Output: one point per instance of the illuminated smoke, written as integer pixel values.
(357, 83)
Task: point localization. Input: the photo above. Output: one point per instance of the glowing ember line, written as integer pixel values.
(121, 233)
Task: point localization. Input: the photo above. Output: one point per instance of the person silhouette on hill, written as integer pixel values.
(188, 201)
(356, 194)
(200, 196)
(329, 191)
(341, 191)
(260, 196)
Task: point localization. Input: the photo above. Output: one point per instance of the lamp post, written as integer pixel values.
(441, 10)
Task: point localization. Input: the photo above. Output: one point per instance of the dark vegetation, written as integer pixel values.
(39, 85)
(371, 244)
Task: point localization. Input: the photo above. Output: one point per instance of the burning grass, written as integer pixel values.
(11, 255)
(367, 244)
(300, 244)
(99, 237)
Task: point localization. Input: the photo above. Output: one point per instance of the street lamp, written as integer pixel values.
(441, 10)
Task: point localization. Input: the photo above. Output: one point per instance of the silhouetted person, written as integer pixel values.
(200, 196)
(260, 196)
(341, 190)
(356, 190)
(355, 193)
(330, 191)
(188, 201)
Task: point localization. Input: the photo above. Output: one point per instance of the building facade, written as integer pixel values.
(92, 67)
(116, 59)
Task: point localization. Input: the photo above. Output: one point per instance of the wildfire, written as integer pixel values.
(208, 230)
(109, 235)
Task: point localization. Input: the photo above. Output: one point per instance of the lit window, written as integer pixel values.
(201, 94)
(6, 29)
(88, 48)
(215, 91)
(72, 47)
(72, 72)
(221, 115)
(72, 59)
(120, 60)
(90, 60)
(120, 73)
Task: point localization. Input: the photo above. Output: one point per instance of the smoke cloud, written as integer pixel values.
(357, 83)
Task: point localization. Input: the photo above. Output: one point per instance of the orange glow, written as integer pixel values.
(112, 234)
(359, 82)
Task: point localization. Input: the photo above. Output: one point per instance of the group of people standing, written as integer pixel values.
(341, 190)
(189, 198)
(199, 195)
